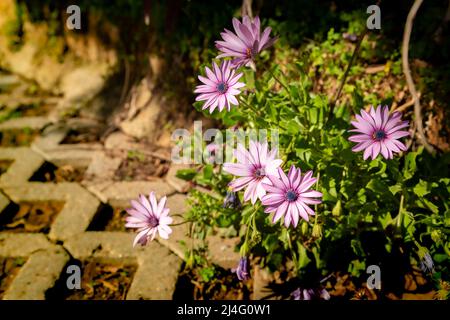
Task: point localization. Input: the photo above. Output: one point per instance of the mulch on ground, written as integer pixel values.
(17, 138)
(31, 217)
(102, 281)
(9, 267)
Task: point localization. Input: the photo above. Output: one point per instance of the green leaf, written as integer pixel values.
(395, 188)
(186, 174)
(377, 186)
(208, 171)
(385, 220)
(337, 209)
(421, 189)
(303, 258)
(410, 164)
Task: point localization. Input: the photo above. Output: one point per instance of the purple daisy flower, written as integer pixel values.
(148, 217)
(253, 168)
(378, 132)
(242, 269)
(212, 151)
(220, 87)
(245, 43)
(289, 196)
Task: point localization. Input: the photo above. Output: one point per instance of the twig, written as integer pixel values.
(246, 9)
(409, 80)
(404, 106)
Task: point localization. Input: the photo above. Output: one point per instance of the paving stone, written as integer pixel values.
(37, 275)
(4, 202)
(180, 185)
(222, 251)
(261, 280)
(102, 245)
(49, 139)
(157, 274)
(177, 205)
(101, 168)
(79, 209)
(34, 123)
(22, 244)
(74, 155)
(119, 140)
(119, 194)
(26, 162)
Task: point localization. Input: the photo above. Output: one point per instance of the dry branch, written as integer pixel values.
(406, 70)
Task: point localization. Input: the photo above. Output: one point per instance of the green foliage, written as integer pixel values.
(373, 212)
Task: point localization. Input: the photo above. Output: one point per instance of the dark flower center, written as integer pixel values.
(260, 173)
(153, 221)
(222, 87)
(291, 195)
(249, 52)
(379, 135)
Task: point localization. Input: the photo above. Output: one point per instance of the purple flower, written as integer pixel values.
(148, 217)
(289, 196)
(253, 168)
(350, 37)
(242, 269)
(245, 43)
(310, 294)
(231, 200)
(212, 149)
(378, 132)
(219, 88)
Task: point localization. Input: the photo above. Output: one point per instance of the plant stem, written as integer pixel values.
(294, 255)
(400, 212)
(347, 71)
(282, 84)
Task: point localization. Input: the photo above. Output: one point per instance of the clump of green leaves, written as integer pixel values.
(381, 212)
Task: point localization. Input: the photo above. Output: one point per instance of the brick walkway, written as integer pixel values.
(69, 238)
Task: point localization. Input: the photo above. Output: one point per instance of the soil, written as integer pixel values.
(34, 110)
(224, 286)
(109, 219)
(50, 173)
(17, 138)
(88, 135)
(117, 221)
(9, 267)
(31, 217)
(415, 287)
(102, 281)
(141, 168)
(4, 165)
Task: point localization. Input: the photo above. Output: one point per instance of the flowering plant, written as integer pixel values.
(344, 186)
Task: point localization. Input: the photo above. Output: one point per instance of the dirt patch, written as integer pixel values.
(33, 109)
(109, 219)
(117, 221)
(4, 165)
(31, 217)
(224, 285)
(17, 138)
(102, 281)
(87, 135)
(138, 166)
(9, 267)
(415, 287)
(50, 173)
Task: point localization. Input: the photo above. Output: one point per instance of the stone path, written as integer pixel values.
(69, 237)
